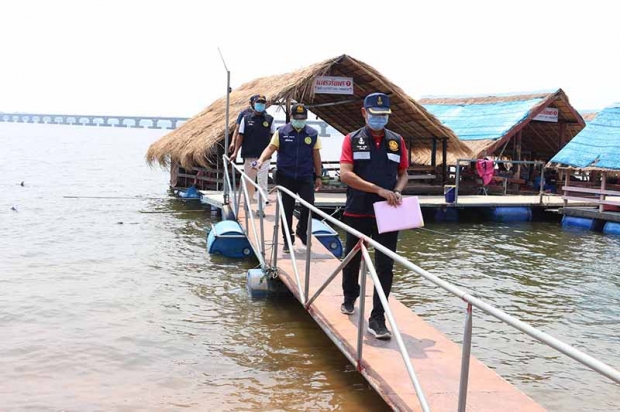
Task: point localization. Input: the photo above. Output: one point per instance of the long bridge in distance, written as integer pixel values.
(138, 122)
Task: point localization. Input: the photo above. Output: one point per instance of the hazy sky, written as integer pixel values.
(160, 57)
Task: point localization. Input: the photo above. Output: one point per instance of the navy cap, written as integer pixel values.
(260, 98)
(253, 98)
(299, 111)
(377, 103)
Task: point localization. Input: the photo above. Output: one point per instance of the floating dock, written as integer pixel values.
(435, 358)
(337, 200)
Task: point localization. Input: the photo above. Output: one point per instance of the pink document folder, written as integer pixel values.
(407, 215)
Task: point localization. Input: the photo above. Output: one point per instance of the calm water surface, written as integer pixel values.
(114, 304)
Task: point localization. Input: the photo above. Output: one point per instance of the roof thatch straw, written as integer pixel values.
(589, 116)
(196, 142)
(542, 138)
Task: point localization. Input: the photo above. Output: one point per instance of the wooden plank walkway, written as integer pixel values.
(335, 200)
(435, 358)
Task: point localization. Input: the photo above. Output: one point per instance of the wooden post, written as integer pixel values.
(288, 109)
(562, 128)
(601, 207)
(444, 160)
(410, 140)
(566, 182)
(434, 153)
(518, 147)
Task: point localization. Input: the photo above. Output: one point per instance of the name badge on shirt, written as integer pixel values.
(361, 155)
(394, 157)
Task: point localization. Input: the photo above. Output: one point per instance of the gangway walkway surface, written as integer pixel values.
(435, 358)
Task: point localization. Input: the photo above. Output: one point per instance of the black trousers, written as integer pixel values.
(383, 264)
(305, 189)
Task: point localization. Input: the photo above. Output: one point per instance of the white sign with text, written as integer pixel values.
(333, 85)
(549, 114)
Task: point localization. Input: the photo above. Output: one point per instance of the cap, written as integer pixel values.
(377, 103)
(260, 98)
(253, 98)
(299, 111)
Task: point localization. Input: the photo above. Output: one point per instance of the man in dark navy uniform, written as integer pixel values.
(299, 167)
(240, 117)
(255, 130)
(373, 165)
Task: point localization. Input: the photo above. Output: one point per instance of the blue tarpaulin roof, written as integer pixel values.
(598, 145)
(488, 121)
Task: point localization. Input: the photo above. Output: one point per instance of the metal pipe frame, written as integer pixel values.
(308, 254)
(331, 277)
(360, 318)
(395, 331)
(287, 233)
(465, 357)
(546, 339)
(276, 232)
(458, 167)
(260, 254)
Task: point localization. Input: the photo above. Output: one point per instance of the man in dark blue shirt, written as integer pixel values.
(242, 113)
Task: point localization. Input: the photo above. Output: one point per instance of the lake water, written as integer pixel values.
(112, 303)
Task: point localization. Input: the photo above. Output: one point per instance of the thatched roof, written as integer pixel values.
(597, 147)
(486, 124)
(196, 141)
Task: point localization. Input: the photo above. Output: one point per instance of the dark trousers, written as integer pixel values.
(383, 264)
(305, 189)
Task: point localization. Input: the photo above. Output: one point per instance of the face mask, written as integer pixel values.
(298, 124)
(377, 122)
(259, 107)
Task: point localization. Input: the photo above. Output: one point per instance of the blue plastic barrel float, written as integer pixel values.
(511, 214)
(226, 238)
(448, 214)
(578, 222)
(612, 228)
(327, 236)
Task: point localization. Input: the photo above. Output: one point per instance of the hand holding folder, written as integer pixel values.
(406, 215)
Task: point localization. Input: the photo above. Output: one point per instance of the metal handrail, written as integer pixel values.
(543, 337)
(471, 301)
(249, 217)
(367, 267)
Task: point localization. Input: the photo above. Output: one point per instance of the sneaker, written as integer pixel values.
(378, 329)
(348, 307)
(260, 213)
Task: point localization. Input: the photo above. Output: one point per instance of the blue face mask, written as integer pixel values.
(298, 124)
(377, 122)
(259, 107)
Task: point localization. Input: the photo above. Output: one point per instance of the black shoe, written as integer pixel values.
(286, 249)
(348, 307)
(378, 329)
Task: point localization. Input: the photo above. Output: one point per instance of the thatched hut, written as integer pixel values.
(199, 142)
(534, 126)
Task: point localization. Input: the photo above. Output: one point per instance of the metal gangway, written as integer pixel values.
(428, 387)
